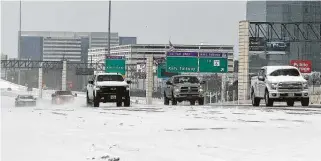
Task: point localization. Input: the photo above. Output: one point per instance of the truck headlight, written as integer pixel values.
(176, 89)
(305, 85)
(273, 86)
(127, 88)
(200, 89)
(97, 87)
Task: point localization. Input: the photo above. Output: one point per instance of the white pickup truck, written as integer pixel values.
(108, 87)
(279, 84)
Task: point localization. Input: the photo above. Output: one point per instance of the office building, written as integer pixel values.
(58, 48)
(286, 11)
(100, 39)
(97, 55)
(56, 45)
(127, 40)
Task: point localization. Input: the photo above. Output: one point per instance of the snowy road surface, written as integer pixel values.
(156, 133)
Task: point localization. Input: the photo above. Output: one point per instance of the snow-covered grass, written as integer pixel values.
(158, 133)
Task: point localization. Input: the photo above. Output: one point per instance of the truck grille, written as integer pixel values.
(112, 89)
(189, 89)
(290, 86)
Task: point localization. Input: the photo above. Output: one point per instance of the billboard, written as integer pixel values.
(258, 45)
(305, 66)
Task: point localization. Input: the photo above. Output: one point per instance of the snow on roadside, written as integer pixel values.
(158, 133)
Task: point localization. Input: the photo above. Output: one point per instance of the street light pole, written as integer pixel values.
(19, 42)
(109, 19)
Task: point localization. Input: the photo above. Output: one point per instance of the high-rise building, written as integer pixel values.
(100, 39)
(31, 47)
(127, 40)
(57, 48)
(56, 45)
(287, 11)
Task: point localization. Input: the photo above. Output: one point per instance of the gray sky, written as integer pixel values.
(152, 22)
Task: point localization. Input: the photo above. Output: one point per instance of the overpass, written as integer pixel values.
(64, 65)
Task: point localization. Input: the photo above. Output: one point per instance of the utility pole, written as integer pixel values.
(19, 42)
(109, 19)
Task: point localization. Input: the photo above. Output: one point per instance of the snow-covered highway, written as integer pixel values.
(158, 133)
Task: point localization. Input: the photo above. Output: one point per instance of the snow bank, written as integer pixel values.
(6, 84)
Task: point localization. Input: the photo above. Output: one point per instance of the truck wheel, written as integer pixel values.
(166, 100)
(127, 101)
(201, 101)
(192, 102)
(174, 101)
(255, 101)
(290, 102)
(118, 103)
(87, 100)
(268, 102)
(96, 101)
(305, 101)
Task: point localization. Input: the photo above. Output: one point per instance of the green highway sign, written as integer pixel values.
(115, 64)
(182, 62)
(213, 62)
(161, 71)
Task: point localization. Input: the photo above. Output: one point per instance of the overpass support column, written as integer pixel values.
(149, 79)
(40, 81)
(223, 88)
(64, 75)
(243, 73)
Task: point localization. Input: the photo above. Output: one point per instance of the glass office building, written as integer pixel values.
(286, 11)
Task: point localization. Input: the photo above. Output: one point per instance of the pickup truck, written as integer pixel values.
(184, 88)
(108, 87)
(279, 84)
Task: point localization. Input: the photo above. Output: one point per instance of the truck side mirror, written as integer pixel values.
(306, 77)
(203, 82)
(261, 78)
(52, 95)
(91, 82)
(168, 83)
(129, 81)
(75, 94)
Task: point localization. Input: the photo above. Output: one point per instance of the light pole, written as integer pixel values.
(19, 41)
(109, 19)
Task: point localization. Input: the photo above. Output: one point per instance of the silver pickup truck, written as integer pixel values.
(279, 83)
(184, 88)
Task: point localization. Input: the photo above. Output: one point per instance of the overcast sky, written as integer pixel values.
(152, 22)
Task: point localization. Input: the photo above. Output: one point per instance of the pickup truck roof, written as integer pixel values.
(270, 69)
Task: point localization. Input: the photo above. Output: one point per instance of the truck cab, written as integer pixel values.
(279, 84)
(108, 87)
(184, 88)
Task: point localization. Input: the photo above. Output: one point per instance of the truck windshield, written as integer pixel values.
(64, 93)
(26, 97)
(101, 78)
(285, 72)
(186, 79)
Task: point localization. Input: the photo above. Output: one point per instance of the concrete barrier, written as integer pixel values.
(315, 99)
